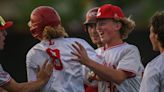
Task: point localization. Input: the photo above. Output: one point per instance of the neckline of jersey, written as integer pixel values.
(119, 45)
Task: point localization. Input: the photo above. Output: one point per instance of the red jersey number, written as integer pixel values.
(55, 56)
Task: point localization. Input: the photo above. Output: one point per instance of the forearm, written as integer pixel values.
(2, 90)
(107, 73)
(32, 86)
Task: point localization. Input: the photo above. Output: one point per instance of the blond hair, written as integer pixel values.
(127, 27)
(54, 32)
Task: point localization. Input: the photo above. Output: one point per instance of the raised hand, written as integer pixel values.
(45, 71)
(81, 53)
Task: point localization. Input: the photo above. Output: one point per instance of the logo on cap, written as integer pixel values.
(98, 13)
(2, 21)
(110, 11)
(4, 25)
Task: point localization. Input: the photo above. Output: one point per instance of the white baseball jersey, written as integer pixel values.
(127, 58)
(153, 78)
(4, 77)
(71, 77)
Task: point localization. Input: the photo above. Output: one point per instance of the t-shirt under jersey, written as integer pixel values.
(127, 58)
(153, 78)
(71, 78)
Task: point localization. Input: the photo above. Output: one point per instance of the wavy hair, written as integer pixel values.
(54, 32)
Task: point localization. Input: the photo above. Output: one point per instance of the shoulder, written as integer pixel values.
(157, 63)
(36, 48)
(124, 48)
(131, 48)
(75, 39)
(155, 67)
(69, 40)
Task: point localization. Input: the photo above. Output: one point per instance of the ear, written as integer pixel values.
(118, 26)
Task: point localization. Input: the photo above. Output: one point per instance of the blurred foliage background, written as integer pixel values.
(72, 13)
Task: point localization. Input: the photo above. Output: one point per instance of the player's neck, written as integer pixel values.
(114, 43)
(161, 50)
(99, 45)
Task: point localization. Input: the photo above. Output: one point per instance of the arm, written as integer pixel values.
(107, 73)
(104, 72)
(32, 86)
(2, 90)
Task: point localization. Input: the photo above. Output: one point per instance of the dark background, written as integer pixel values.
(72, 12)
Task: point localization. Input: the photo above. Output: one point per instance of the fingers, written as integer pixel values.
(45, 63)
(75, 59)
(51, 61)
(76, 48)
(49, 69)
(49, 66)
(76, 54)
(38, 68)
(79, 45)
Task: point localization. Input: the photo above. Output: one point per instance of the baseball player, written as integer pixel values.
(153, 78)
(122, 70)
(9, 84)
(90, 27)
(68, 75)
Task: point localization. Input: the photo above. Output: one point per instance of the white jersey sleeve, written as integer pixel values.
(131, 61)
(153, 78)
(125, 57)
(4, 77)
(34, 59)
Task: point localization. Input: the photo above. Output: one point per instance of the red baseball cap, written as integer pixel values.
(4, 25)
(43, 16)
(91, 16)
(109, 11)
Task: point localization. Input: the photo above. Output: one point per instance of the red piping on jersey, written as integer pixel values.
(115, 46)
(129, 73)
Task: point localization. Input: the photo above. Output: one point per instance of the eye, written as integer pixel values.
(92, 25)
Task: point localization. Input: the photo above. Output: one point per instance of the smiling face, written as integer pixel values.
(2, 38)
(91, 28)
(108, 30)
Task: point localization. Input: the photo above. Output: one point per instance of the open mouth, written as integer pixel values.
(101, 34)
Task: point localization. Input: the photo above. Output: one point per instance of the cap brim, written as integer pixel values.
(7, 25)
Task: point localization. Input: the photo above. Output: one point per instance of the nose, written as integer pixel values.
(98, 28)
